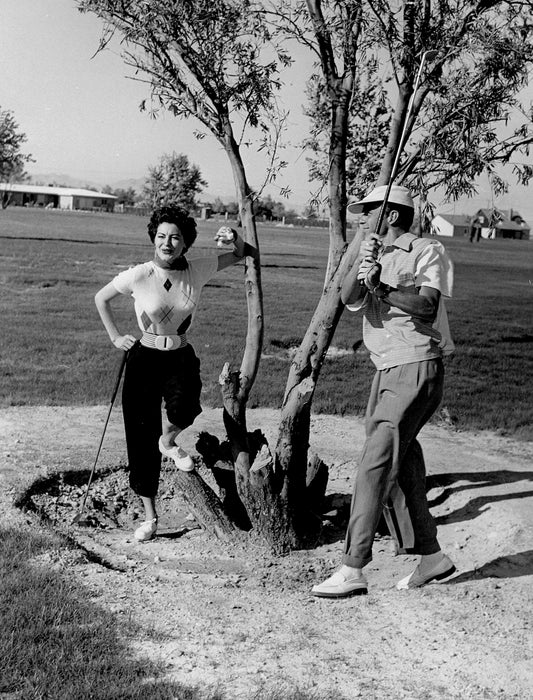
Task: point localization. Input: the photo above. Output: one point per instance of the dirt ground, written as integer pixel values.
(239, 620)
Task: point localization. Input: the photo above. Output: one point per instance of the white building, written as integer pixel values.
(55, 197)
(450, 225)
(494, 223)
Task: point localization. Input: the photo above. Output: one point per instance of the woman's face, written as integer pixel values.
(168, 242)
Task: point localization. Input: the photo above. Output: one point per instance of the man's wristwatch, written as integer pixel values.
(381, 290)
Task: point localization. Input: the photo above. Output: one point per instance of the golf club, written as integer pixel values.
(79, 514)
(427, 54)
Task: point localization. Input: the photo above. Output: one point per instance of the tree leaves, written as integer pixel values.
(467, 118)
(173, 181)
(12, 160)
(200, 58)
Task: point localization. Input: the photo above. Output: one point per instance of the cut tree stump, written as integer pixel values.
(205, 505)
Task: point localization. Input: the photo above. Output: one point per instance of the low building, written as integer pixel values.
(450, 225)
(494, 223)
(512, 229)
(503, 223)
(50, 197)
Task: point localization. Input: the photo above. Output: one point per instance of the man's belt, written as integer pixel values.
(164, 342)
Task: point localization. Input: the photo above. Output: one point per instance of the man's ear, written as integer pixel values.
(393, 216)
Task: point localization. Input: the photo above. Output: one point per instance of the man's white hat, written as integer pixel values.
(397, 195)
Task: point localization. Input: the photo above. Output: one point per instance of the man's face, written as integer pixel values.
(369, 219)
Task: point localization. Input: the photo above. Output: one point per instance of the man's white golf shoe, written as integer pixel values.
(419, 577)
(339, 586)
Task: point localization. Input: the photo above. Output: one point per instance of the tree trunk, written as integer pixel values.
(217, 457)
(337, 175)
(205, 505)
(394, 137)
(277, 507)
(255, 479)
(253, 489)
(293, 438)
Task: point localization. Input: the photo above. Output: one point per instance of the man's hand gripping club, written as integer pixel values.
(365, 276)
(369, 273)
(421, 303)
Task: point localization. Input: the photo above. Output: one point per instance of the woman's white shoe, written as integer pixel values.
(146, 531)
(181, 459)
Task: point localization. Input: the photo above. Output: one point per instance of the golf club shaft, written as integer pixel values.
(113, 397)
(401, 144)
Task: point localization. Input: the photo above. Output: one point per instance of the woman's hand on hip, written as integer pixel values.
(124, 342)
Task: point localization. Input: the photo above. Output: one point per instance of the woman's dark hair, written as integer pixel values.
(177, 216)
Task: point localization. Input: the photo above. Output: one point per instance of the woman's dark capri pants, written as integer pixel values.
(152, 376)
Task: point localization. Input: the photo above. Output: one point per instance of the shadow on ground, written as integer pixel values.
(509, 566)
(337, 507)
(452, 483)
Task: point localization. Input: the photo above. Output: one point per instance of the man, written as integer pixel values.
(398, 285)
(475, 230)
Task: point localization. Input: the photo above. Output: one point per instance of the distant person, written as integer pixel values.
(162, 366)
(398, 284)
(475, 230)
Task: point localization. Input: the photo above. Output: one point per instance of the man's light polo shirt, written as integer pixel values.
(393, 336)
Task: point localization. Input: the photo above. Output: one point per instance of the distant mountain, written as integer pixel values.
(210, 197)
(60, 179)
(136, 184)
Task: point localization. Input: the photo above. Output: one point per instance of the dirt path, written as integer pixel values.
(242, 620)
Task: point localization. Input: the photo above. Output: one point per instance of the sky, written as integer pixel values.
(80, 113)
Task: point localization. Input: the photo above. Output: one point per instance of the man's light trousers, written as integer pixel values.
(391, 477)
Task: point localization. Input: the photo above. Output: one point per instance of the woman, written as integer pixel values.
(162, 365)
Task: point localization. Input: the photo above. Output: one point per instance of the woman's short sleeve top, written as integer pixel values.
(166, 300)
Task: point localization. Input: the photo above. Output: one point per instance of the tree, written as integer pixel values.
(174, 180)
(12, 161)
(369, 126)
(279, 211)
(232, 208)
(268, 208)
(467, 118)
(351, 39)
(127, 197)
(218, 206)
(310, 211)
(203, 59)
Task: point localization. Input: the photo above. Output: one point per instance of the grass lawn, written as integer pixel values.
(56, 643)
(53, 349)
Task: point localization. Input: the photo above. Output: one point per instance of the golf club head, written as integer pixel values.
(82, 520)
(77, 518)
(430, 55)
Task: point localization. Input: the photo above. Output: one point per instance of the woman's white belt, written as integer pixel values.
(164, 342)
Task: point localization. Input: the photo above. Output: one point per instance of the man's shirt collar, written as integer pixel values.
(405, 241)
